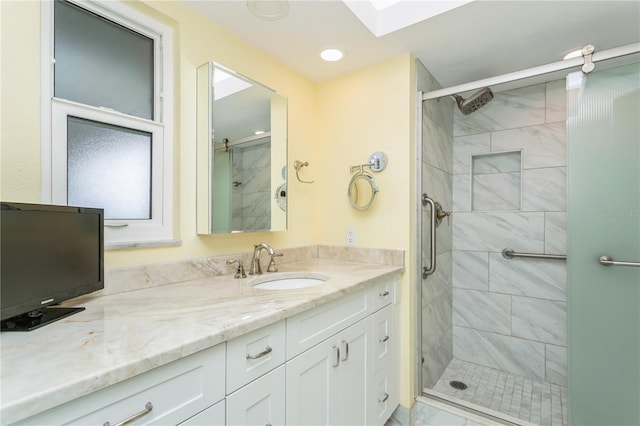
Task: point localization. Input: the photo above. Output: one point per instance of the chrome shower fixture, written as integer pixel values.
(475, 101)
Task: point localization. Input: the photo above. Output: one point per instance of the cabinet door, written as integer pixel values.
(383, 339)
(261, 402)
(311, 386)
(353, 373)
(212, 416)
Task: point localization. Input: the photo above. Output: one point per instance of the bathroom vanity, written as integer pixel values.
(216, 351)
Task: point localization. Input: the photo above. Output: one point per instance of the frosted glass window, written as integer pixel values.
(109, 167)
(101, 63)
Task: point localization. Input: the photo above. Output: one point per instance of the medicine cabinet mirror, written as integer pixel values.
(241, 154)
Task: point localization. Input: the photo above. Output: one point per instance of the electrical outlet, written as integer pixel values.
(351, 237)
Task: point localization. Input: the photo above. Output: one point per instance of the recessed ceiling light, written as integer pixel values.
(269, 10)
(331, 55)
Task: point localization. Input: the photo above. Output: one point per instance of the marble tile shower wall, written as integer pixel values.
(437, 178)
(251, 198)
(511, 314)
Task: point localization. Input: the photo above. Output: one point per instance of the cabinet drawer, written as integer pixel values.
(176, 391)
(212, 416)
(251, 355)
(261, 402)
(383, 338)
(382, 397)
(383, 294)
(312, 327)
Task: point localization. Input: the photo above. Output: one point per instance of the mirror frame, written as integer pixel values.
(205, 153)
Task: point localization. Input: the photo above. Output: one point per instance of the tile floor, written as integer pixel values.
(534, 401)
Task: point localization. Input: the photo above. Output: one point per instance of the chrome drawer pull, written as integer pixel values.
(608, 261)
(147, 409)
(336, 354)
(384, 294)
(345, 355)
(384, 339)
(386, 396)
(261, 354)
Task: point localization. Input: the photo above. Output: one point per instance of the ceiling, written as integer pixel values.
(475, 40)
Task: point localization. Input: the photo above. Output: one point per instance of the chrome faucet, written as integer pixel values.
(255, 261)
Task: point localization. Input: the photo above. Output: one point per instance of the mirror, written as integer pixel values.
(241, 154)
(362, 191)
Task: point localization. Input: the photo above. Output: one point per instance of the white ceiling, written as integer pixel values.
(476, 40)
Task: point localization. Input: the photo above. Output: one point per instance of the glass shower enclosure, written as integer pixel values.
(493, 329)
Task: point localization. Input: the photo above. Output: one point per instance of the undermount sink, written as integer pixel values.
(288, 281)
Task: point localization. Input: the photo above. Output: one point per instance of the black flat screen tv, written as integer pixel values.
(48, 254)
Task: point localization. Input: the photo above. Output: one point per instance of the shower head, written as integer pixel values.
(475, 101)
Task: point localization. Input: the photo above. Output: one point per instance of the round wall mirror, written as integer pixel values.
(362, 191)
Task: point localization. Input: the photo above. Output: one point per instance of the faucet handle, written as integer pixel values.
(272, 262)
(240, 271)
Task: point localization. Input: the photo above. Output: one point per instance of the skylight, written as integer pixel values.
(386, 16)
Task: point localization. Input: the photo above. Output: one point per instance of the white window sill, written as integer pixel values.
(142, 244)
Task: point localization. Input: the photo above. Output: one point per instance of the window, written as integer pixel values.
(107, 110)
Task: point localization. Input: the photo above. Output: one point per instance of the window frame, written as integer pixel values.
(54, 112)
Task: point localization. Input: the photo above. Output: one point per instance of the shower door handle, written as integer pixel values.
(432, 204)
(608, 261)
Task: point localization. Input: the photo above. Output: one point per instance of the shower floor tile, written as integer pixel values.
(537, 402)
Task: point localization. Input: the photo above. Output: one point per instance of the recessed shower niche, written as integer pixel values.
(496, 181)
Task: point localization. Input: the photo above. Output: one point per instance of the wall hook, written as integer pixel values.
(298, 165)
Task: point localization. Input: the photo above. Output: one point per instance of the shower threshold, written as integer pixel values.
(502, 396)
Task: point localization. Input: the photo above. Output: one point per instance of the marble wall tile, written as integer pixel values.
(438, 282)
(556, 101)
(495, 231)
(470, 269)
(502, 162)
(437, 356)
(505, 353)
(545, 279)
(482, 310)
(257, 180)
(436, 317)
(437, 146)
(443, 235)
(510, 109)
(540, 320)
(557, 365)
(555, 232)
(438, 185)
(439, 111)
(544, 189)
(461, 193)
(543, 146)
(496, 192)
(466, 146)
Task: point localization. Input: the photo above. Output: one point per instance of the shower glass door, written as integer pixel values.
(604, 219)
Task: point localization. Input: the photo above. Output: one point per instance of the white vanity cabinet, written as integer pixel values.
(259, 403)
(333, 364)
(346, 378)
(169, 394)
(256, 377)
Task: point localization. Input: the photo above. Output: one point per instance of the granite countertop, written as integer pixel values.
(122, 335)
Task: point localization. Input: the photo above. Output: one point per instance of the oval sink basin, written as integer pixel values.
(288, 281)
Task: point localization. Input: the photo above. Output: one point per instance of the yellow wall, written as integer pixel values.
(332, 125)
(360, 113)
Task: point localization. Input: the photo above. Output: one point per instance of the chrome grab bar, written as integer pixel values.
(510, 254)
(608, 261)
(432, 268)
